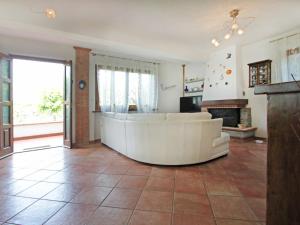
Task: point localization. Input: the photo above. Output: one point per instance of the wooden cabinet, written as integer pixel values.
(283, 167)
(260, 73)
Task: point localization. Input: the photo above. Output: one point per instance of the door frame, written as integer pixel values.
(65, 63)
(6, 150)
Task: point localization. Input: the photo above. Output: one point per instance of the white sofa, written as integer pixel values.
(165, 138)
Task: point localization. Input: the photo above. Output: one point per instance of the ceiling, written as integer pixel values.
(161, 29)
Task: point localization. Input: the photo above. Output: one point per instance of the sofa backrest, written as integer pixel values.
(146, 116)
(189, 116)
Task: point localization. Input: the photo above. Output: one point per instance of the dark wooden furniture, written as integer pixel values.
(260, 73)
(283, 166)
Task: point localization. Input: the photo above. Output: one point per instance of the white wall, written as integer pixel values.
(172, 74)
(218, 85)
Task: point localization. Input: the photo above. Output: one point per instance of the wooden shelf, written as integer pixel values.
(193, 81)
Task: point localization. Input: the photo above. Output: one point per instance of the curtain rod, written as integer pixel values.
(116, 57)
(284, 37)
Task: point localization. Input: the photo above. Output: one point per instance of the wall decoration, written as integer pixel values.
(228, 56)
(228, 71)
(221, 77)
(260, 73)
(163, 87)
(81, 84)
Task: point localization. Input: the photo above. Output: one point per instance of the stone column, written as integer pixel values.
(82, 96)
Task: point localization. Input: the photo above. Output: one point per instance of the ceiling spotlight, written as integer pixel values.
(240, 31)
(216, 44)
(227, 36)
(213, 41)
(50, 13)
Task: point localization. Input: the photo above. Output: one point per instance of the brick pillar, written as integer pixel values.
(82, 127)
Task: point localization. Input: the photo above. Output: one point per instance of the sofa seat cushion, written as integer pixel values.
(189, 116)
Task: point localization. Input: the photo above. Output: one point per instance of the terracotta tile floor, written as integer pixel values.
(97, 186)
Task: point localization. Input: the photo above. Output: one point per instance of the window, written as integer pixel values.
(118, 88)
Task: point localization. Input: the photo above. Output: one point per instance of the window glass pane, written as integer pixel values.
(6, 91)
(5, 68)
(145, 88)
(67, 122)
(120, 88)
(133, 90)
(68, 83)
(6, 114)
(104, 85)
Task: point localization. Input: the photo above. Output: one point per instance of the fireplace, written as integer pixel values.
(231, 116)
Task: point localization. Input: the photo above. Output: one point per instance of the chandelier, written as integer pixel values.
(233, 27)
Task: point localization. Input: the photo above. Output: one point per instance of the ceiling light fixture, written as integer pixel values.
(50, 13)
(234, 26)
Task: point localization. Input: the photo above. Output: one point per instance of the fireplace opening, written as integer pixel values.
(231, 116)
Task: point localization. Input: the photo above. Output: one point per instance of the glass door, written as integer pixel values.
(6, 118)
(68, 105)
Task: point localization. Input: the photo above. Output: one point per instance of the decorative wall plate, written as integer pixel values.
(228, 71)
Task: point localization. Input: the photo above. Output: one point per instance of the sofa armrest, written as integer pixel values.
(223, 139)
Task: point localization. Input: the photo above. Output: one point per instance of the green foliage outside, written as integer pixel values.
(52, 104)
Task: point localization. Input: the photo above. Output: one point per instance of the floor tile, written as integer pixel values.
(133, 182)
(38, 213)
(192, 204)
(110, 216)
(64, 192)
(189, 185)
(258, 206)
(72, 214)
(17, 186)
(116, 169)
(140, 170)
(150, 218)
(92, 195)
(160, 184)
(163, 172)
(38, 190)
(184, 173)
(221, 187)
(60, 177)
(231, 208)
(40, 175)
(235, 222)
(156, 201)
(122, 198)
(190, 219)
(108, 180)
(11, 205)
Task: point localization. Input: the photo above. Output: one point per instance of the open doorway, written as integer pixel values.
(38, 101)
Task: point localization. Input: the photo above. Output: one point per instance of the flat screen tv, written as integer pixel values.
(190, 104)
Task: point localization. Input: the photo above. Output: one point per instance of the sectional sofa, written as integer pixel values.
(165, 138)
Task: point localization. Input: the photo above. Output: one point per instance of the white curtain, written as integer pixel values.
(286, 59)
(125, 82)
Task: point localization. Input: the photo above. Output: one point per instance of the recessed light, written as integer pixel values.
(50, 13)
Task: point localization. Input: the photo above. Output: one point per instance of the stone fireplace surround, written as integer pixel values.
(230, 125)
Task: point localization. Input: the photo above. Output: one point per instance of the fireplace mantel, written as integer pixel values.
(229, 103)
